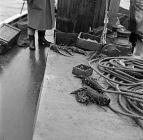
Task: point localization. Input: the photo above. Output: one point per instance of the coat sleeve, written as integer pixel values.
(139, 17)
(136, 16)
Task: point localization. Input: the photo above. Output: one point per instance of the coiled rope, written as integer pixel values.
(130, 93)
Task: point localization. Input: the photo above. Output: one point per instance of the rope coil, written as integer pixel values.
(130, 91)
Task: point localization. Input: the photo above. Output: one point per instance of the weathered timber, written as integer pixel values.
(80, 15)
(76, 15)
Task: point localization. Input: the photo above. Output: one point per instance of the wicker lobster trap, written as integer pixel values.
(82, 70)
(88, 42)
(63, 38)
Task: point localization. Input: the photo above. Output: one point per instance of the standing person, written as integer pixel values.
(136, 21)
(41, 18)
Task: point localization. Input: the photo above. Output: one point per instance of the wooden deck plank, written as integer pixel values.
(60, 117)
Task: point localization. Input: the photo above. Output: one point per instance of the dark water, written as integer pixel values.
(9, 8)
(21, 75)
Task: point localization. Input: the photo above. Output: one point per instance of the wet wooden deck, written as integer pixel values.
(60, 117)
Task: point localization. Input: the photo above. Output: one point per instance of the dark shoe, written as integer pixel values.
(44, 42)
(31, 42)
(41, 39)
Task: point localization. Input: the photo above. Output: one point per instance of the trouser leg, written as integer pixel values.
(31, 31)
(133, 40)
(31, 35)
(41, 38)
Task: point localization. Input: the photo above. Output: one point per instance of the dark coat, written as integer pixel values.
(41, 14)
(136, 16)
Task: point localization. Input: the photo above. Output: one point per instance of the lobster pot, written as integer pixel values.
(82, 70)
(79, 15)
(88, 42)
(62, 38)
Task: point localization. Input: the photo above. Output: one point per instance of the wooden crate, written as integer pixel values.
(8, 36)
(88, 42)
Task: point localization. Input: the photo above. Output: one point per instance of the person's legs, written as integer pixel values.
(31, 35)
(41, 38)
(133, 39)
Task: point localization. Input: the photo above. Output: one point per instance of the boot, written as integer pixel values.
(31, 42)
(41, 39)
